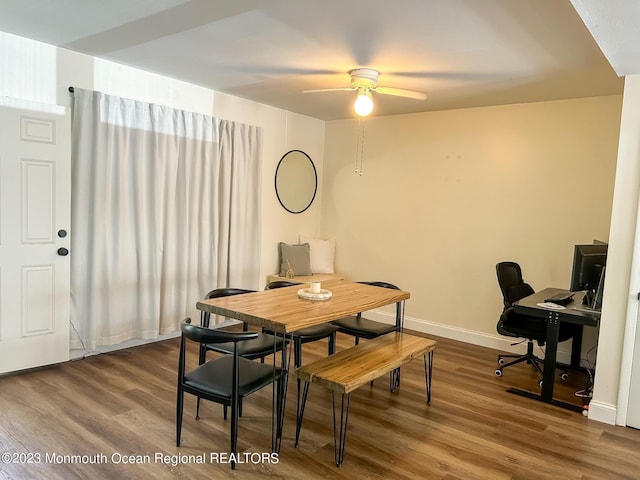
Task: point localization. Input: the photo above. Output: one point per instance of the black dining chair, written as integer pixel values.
(265, 344)
(360, 327)
(309, 334)
(262, 345)
(226, 379)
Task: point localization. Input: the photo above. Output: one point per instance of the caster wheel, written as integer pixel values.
(498, 372)
(564, 376)
(501, 361)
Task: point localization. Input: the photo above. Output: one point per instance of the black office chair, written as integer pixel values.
(360, 327)
(512, 324)
(225, 380)
(309, 334)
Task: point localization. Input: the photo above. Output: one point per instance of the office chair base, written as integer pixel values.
(538, 363)
(530, 359)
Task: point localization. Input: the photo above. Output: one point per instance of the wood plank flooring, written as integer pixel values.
(113, 417)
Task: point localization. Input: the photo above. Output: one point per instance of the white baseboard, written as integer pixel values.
(496, 342)
(77, 353)
(602, 412)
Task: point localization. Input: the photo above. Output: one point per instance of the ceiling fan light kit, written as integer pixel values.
(364, 103)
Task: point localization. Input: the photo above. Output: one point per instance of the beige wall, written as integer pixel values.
(446, 195)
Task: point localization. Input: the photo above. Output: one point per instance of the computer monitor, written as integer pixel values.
(589, 263)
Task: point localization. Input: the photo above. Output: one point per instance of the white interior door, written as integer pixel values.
(34, 225)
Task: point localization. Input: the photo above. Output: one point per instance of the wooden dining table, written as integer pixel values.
(282, 311)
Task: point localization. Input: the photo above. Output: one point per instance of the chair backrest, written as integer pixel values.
(381, 284)
(222, 292)
(512, 285)
(226, 292)
(399, 305)
(280, 284)
(204, 335)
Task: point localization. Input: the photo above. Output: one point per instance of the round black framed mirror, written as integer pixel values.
(296, 181)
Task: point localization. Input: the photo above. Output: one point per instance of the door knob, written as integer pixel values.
(63, 252)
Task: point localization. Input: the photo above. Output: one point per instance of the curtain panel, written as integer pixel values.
(165, 207)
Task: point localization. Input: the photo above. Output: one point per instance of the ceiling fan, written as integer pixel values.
(365, 81)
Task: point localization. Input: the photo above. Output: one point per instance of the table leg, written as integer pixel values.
(300, 411)
(279, 396)
(394, 380)
(340, 440)
(428, 368)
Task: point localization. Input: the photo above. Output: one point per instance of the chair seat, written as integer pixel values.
(515, 325)
(251, 349)
(363, 327)
(317, 332)
(213, 376)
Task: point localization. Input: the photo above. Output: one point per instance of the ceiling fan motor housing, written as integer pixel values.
(364, 78)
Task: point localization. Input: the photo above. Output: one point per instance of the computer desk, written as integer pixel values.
(574, 312)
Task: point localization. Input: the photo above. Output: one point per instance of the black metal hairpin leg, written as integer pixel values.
(427, 374)
(394, 376)
(340, 440)
(394, 380)
(300, 410)
(279, 396)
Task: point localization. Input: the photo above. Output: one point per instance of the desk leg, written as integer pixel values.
(576, 347)
(550, 353)
(551, 350)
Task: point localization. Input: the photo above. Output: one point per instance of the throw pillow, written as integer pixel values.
(322, 253)
(295, 257)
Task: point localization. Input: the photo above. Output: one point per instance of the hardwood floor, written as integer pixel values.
(113, 417)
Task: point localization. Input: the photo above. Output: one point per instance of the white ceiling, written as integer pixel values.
(462, 53)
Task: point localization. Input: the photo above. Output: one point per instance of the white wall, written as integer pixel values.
(620, 306)
(284, 131)
(35, 71)
(446, 195)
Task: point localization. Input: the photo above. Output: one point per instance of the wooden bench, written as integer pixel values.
(349, 369)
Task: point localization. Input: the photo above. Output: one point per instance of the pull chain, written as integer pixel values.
(360, 147)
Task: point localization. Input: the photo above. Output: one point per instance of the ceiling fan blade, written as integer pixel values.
(400, 92)
(348, 89)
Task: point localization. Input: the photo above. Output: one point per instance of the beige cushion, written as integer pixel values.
(322, 253)
(297, 257)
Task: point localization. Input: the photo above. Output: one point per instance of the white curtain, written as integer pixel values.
(165, 207)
